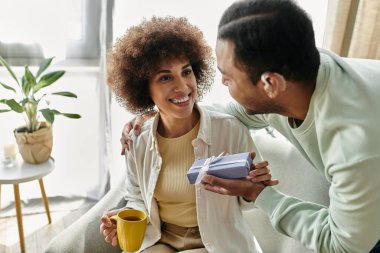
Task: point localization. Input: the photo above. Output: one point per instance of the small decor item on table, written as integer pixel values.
(229, 166)
(35, 139)
(10, 152)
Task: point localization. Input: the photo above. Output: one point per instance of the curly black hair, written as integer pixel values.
(138, 54)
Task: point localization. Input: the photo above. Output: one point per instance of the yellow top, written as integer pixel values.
(174, 195)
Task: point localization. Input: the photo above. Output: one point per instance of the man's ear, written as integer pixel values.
(274, 83)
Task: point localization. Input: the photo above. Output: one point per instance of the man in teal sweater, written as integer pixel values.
(327, 106)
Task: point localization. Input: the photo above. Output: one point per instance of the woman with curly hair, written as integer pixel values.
(166, 63)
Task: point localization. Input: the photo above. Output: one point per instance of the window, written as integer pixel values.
(67, 29)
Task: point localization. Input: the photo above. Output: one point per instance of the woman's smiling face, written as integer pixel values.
(173, 89)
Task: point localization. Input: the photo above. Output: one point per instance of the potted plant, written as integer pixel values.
(35, 139)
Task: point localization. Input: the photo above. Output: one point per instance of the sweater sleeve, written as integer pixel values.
(133, 194)
(238, 111)
(351, 223)
(250, 121)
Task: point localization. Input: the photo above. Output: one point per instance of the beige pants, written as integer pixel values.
(178, 239)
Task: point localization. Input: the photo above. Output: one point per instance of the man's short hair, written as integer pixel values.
(271, 35)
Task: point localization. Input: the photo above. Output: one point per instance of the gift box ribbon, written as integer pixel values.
(219, 164)
(206, 166)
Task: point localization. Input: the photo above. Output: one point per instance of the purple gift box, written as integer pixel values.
(229, 166)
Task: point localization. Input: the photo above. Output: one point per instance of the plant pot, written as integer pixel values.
(35, 147)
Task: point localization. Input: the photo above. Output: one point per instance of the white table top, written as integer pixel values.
(24, 172)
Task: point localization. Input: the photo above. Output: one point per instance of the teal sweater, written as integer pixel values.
(340, 137)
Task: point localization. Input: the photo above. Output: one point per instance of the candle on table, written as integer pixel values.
(10, 151)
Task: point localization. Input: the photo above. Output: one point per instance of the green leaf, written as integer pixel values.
(71, 115)
(24, 101)
(23, 82)
(43, 66)
(48, 79)
(7, 87)
(13, 105)
(4, 110)
(29, 82)
(5, 64)
(65, 93)
(48, 115)
(55, 112)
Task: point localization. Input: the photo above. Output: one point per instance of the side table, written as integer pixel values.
(22, 172)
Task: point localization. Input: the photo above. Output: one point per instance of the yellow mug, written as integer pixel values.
(130, 227)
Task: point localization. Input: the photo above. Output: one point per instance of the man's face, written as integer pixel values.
(251, 96)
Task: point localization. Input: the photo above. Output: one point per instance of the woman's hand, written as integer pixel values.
(108, 228)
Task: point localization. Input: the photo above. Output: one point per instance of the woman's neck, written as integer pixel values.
(174, 127)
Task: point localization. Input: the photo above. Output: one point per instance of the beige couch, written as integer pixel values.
(297, 178)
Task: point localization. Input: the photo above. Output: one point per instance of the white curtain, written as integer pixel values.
(105, 147)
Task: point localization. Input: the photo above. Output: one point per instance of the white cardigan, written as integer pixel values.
(220, 219)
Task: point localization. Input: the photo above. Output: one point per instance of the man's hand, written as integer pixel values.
(135, 124)
(260, 173)
(108, 228)
(233, 187)
(250, 187)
